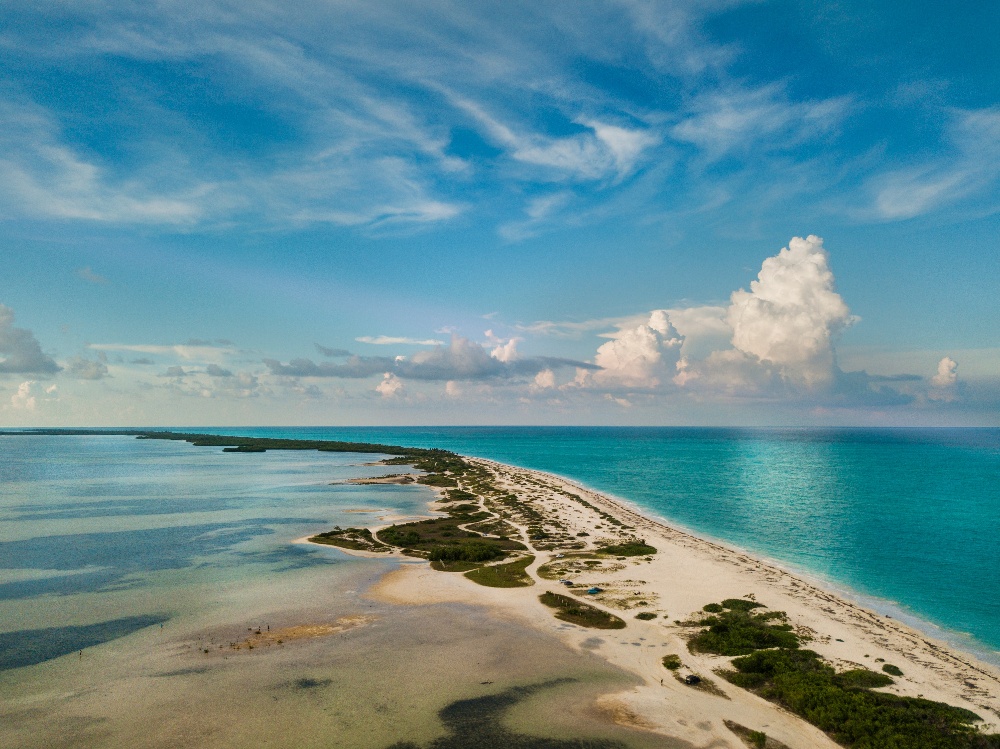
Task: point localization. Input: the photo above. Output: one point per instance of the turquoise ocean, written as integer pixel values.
(127, 532)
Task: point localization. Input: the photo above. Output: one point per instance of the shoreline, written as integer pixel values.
(688, 572)
(952, 639)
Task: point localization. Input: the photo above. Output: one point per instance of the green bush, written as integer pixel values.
(741, 604)
(893, 670)
(862, 678)
(672, 661)
(645, 615)
(634, 548)
(742, 632)
(510, 575)
(576, 612)
(713, 608)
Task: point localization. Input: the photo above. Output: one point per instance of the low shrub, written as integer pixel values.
(573, 611)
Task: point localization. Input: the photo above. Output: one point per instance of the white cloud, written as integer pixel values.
(544, 380)
(945, 382)
(386, 340)
(947, 373)
(390, 386)
(21, 352)
(187, 352)
(538, 210)
(738, 119)
(86, 369)
(504, 351)
(577, 329)
(792, 316)
(969, 162)
(44, 176)
(606, 151)
(640, 357)
(23, 400)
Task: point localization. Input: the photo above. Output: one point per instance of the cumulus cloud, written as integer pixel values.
(945, 382)
(947, 373)
(505, 350)
(791, 317)
(544, 380)
(23, 400)
(390, 386)
(86, 369)
(641, 356)
(214, 370)
(22, 354)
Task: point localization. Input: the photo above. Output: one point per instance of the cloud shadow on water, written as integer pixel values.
(478, 724)
(27, 647)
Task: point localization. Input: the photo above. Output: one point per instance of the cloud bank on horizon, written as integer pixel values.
(781, 348)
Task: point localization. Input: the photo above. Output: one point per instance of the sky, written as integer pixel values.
(706, 212)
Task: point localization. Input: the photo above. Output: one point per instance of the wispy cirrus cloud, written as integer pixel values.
(388, 340)
(764, 118)
(188, 352)
(969, 164)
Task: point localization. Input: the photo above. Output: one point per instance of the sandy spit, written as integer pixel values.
(687, 573)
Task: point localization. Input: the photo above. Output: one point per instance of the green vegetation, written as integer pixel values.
(892, 670)
(575, 612)
(672, 661)
(509, 575)
(436, 479)
(645, 615)
(739, 631)
(459, 566)
(634, 548)
(741, 604)
(441, 539)
(466, 551)
(843, 704)
(358, 539)
(753, 739)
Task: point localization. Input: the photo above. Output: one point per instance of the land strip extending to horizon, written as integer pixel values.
(729, 650)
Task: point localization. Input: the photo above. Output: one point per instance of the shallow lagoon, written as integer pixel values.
(127, 569)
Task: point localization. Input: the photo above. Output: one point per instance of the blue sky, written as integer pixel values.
(323, 212)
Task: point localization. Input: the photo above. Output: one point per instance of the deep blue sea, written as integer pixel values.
(906, 519)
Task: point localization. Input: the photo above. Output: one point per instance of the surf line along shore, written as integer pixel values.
(640, 593)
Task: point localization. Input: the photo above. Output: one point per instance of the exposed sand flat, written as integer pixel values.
(687, 573)
(266, 637)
